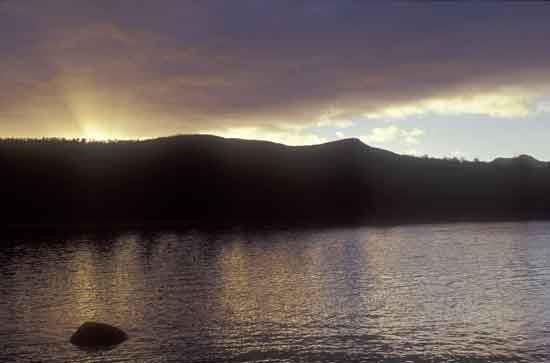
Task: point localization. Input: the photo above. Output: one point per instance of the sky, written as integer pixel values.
(448, 79)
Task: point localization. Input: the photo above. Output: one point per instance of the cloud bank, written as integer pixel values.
(262, 69)
(382, 135)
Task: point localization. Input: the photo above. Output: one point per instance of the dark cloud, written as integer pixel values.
(152, 68)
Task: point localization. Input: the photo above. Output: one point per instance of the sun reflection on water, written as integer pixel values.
(317, 295)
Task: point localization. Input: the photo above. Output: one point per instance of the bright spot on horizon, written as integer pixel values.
(96, 130)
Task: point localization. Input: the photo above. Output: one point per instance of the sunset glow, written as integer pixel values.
(333, 71)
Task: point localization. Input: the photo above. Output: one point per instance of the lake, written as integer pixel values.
(464, 292)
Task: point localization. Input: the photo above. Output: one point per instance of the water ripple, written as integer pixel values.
(431, 293)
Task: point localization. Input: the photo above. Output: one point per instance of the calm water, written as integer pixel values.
(431, 293)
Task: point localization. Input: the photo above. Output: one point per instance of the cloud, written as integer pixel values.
(335, 118)
(283, 136)
(502, 104)
(148, 70)
(390, 134)
(544, 107)
(381, 135)
(458, 154)
(411, 137)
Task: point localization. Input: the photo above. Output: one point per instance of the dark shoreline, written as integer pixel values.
(252, 225)
(205, 181)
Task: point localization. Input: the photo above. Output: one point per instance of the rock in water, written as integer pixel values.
(91, 334)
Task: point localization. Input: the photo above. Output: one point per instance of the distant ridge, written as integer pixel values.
(526, 160)
(189, 179)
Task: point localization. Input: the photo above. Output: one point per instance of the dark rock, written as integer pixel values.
(91, 334)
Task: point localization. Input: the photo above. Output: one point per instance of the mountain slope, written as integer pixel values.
(207, 179)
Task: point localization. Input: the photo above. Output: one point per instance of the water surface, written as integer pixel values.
(426, 293)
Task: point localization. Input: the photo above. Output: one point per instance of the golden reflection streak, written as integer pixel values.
(96, 297)
(83, 285)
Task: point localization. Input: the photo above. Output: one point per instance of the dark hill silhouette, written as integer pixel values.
(526, 160)
(208, 179)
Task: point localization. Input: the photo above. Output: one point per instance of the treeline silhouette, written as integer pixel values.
(207, 179)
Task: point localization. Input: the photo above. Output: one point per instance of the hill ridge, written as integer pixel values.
(212, 179)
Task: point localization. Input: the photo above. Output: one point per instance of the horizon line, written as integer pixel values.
(85, 140)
